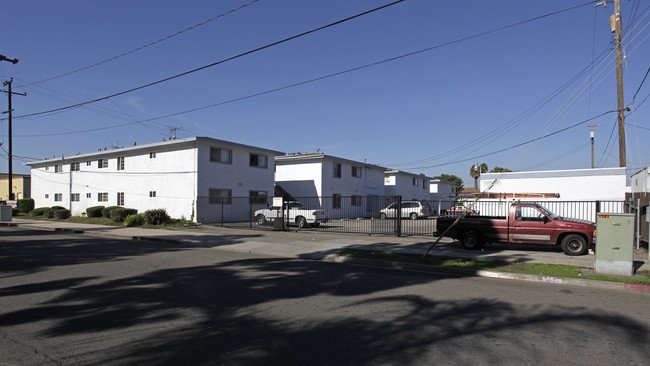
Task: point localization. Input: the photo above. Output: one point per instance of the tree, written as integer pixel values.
(475, 172)
(498, 169)
(451, 178)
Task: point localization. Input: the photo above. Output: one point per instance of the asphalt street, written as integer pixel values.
(70, 299)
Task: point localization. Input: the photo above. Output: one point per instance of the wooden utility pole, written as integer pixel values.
(10, 152)
(592, 143)
(619, 83)
(616, 28)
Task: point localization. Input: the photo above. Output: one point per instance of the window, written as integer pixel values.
(120, 198)
(220, 196)
(356, 172)
(120, 163)
(102, 163)
(47, 168)
(89, 195)
(58, 168)
(220, 155)
(416, 181)
(152, 194)
(257, 197)
(58, 197)
(356, 200)
(337, 170)
(528, 213)
(74, 197)
(336, 200)
(74, 167)
(47, 195)
(102, 197)
(152, 155)
(259, 161)
(88, 163)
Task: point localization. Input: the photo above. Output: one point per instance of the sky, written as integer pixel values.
(423, 86)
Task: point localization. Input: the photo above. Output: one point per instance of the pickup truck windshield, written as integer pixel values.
(547, 212)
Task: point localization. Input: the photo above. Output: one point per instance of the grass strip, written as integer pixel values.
(542, 269)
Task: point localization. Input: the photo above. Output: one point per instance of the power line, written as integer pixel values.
(144, 46)
(339, 73)
(215, 63)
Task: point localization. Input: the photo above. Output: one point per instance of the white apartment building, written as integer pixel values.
(344, 187)
(192, 178)
(408, 185)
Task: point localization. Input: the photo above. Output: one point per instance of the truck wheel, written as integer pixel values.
(471, 240)
(260, 219)
(574, 244)
(301, 222)
(413, 216)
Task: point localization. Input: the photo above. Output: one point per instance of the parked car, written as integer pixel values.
(525, 223)
(295, 214)
(410, 209)
(457, 210)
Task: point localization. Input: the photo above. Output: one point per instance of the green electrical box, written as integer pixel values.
(615, 244)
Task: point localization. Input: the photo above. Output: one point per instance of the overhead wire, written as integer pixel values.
(214, 63)
(144, 46)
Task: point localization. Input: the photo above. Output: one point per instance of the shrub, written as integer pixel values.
(15, 211)
(158, 216)
(25, 205)
(39, 211)
(61, 214)
(49, 213)
(95, 211)
(134, 220)
(106, 211)
(120, 213)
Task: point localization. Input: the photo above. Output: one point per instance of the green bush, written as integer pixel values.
(39, 211)
(120, 213)
(134, 220)
(25, 205)
(61, 214)
(106, 211)
(49, 213)
(58, 208)
(95, 211)
(157, 216)
(15, 211)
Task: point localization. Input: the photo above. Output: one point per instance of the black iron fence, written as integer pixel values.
(387, 215)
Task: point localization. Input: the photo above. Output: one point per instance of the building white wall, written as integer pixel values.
(300, 179)
(606, 184)
(640, 181)
(179, 172)
(398, 183)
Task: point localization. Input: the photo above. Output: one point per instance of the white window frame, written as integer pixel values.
(75, 197)
(259, 161)
(102, 197)
(120, 198)
(58, 197)
(220, 155)
(120, 163)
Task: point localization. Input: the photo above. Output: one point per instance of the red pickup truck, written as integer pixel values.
(525, 223)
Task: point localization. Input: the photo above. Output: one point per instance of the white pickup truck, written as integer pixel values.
(295, 214)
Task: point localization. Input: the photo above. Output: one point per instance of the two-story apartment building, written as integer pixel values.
(192, 178)
(408, 185)
(21, 186)
(344, 187)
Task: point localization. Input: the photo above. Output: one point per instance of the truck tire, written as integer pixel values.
(260, 220)
(413, 216)
(574, 244)
(301, 222)
(471, 240)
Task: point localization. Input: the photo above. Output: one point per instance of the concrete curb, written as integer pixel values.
(157, 240)
(490, 274)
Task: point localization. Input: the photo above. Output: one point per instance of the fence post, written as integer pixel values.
(221, 211)
(398, 219)
(597, 208)
(250, 213)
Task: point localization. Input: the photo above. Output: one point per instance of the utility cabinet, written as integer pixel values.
(5, 213)
(615, 244)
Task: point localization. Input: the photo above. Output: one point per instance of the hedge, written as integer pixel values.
(25, 205)
(106, 211)
(61, 214)
(120, 213)
(134, 220)
(39, 211)
(156, 217)
(95, 211)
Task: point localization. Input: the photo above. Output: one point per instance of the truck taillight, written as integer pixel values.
(314, 213)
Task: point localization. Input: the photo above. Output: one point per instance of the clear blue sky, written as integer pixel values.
(434, 112)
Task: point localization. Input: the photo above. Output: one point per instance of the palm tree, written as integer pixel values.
(475, 172)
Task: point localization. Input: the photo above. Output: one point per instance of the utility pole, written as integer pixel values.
(592, 143)
(616, 28)
(10, 152)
